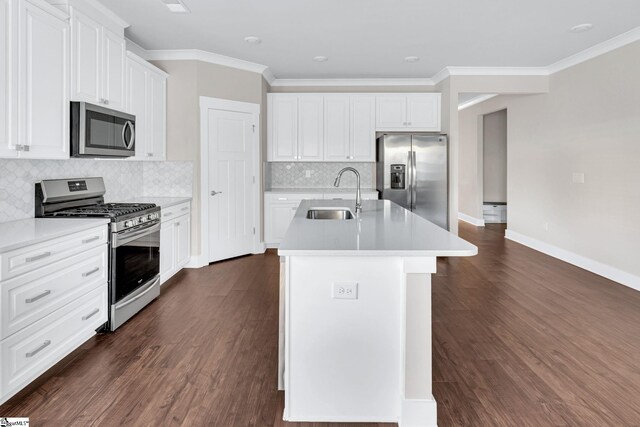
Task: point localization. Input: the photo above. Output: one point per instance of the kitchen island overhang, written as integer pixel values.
(356, 314)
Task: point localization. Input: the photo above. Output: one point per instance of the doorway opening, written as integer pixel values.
(494, 167)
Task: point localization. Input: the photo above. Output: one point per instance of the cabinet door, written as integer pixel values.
(167, 250)
(156, 115)
(182, 237)
(43, 75)
(113, 79)
(8, 65)
(423, 112)
(391, 111)
(336, 128)
(137, 105)
(279, 217)
(363, 128)
(86, 61)
(310, 128)
(283, 127)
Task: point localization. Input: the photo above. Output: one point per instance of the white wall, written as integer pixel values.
(494, 147)
(588, 122)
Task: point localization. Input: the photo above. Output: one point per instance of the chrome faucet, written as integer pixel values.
(337, 184)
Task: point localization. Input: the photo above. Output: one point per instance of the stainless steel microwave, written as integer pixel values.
(101, 132)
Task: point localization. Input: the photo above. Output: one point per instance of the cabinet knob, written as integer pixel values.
(106, 102)
(149, 154)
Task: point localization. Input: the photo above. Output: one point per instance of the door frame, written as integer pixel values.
(206, 104)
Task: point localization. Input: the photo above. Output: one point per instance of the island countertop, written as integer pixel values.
(383, 228)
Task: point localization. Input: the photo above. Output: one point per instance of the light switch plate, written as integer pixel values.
(307, 174)
(578, 178)
(344, 290)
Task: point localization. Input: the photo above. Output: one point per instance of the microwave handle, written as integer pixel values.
(133, 134)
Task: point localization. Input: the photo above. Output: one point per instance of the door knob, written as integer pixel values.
(213, 193)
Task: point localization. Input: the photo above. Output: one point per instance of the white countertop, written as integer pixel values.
(383, 228)
(25, 232)
(163, 202)
(339, 190)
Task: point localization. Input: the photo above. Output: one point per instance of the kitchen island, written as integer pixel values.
(356, 313)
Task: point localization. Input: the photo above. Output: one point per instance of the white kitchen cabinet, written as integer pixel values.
(175, 240)
(283, 127)
(53, 297)
(8, 78)
(336, 128)
(408, 112)
(98, 59)
(362, 140)
(310, 128)
(146, 99)
(43, 74)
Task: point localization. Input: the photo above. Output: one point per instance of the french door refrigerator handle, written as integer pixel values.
(414, 183)
(410, 181)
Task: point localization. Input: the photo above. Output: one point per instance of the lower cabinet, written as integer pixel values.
(175, 240)
(280, 208)
(51, 305)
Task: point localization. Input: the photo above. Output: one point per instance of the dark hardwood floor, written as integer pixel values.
(520, 339)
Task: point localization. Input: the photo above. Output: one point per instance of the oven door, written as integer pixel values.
(101, 132)
(135, 261)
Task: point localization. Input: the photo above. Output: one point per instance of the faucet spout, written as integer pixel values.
(358, 197)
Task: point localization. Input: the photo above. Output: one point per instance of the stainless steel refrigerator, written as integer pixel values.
(412, 171)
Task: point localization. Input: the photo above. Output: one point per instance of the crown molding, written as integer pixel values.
(497, 71)
(268, 76)
(204, 56)
(477, 100)
(595, 51)
(353, 82)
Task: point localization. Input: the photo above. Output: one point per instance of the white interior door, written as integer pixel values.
(231, 180)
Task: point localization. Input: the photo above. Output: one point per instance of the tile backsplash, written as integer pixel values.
(321, 175)
(123, 180)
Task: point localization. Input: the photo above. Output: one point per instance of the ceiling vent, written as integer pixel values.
(176, 6)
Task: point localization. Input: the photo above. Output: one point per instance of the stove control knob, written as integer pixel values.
(151, 217)
(128, 224)
(143, 219)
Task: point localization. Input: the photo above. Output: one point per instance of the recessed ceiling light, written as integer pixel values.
(253, 40)
(411, 59)
(176, 6)
(320, 58)
(581, 28)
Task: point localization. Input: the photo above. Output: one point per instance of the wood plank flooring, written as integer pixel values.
(520, 339)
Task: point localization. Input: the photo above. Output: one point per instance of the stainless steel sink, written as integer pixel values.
(328, 213)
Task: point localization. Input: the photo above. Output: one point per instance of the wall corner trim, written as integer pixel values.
(471, 220)
(596, 267)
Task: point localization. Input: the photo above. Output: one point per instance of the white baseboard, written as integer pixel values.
(272, 245)
(260, 249)
(196, 261)
(418, 413)
(471, 220)
(604, 270)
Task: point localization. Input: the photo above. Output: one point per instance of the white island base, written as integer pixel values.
(359, 360)
(360, 355)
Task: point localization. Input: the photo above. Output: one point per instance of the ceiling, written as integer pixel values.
(370, 38)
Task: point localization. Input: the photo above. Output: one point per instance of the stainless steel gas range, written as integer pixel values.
(134, 239)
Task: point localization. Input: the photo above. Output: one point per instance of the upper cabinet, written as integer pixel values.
(98, 56)
(146, 99)
(408, 112)
(342, 127)
(34, 80)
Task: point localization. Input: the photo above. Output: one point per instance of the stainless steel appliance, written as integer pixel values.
(101, 132)
(412, 171)
(134, 240)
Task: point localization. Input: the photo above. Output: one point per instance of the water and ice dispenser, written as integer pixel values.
(398, 177)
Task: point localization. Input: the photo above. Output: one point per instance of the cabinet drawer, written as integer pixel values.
(292, 197)
(175, 211)
(30, 297)
(30, 258)
(28, 353)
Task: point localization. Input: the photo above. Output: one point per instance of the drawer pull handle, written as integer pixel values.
(282, 198)
(37, 297)
(168, 214)
(89, 273)
(90, 315)
(184, 209)
(44, 345)
(177, 223)
(90, 239)
(38, 257)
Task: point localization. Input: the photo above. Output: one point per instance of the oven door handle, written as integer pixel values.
(121, 239)
(140, 295)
